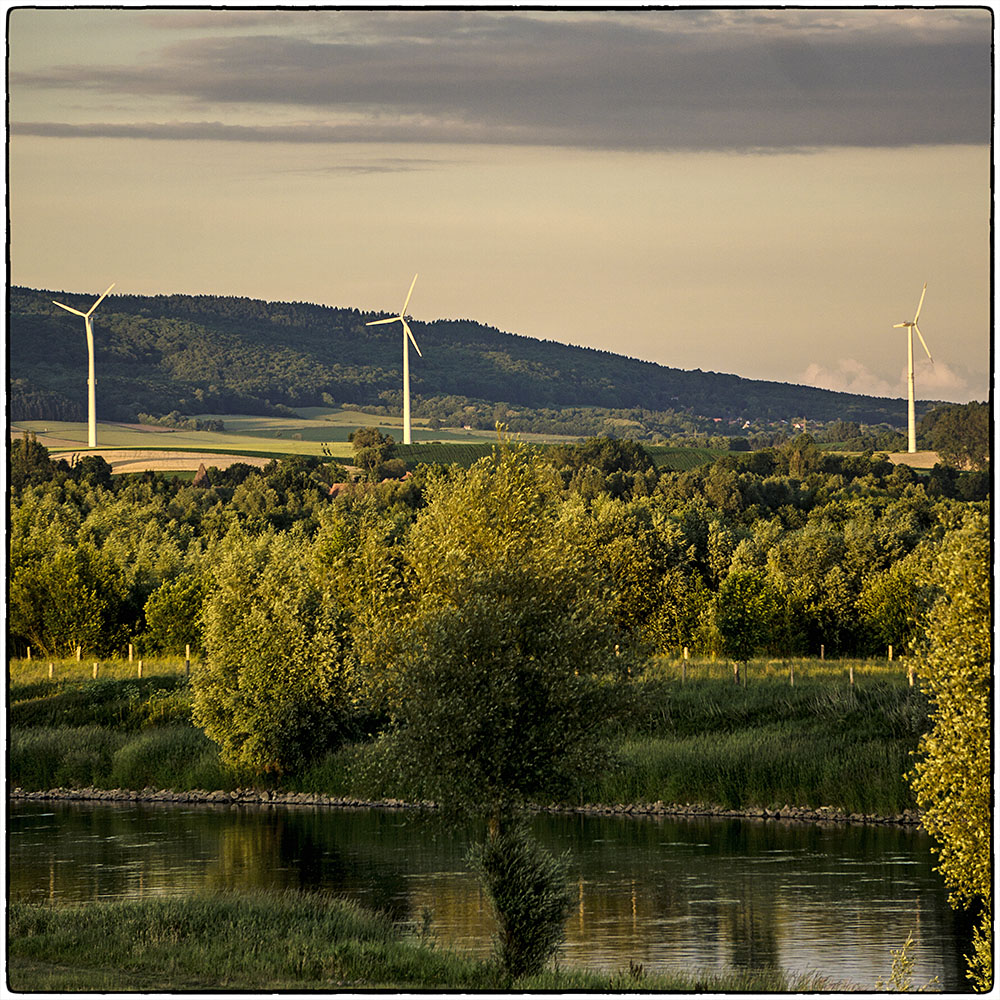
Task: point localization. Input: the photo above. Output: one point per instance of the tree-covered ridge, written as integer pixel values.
(198, 354)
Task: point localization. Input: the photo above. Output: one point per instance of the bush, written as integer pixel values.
(530, 896)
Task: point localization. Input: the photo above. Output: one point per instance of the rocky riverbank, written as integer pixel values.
(258, 797)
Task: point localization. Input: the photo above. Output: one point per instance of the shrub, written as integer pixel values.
(529, 892)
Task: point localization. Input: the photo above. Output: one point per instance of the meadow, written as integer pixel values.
(797, 732)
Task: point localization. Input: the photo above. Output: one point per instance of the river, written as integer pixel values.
(694, 894)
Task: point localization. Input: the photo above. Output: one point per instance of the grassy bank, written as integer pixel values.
(799, 733)
(283, 941)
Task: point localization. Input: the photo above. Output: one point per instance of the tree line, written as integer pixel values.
(828, 545)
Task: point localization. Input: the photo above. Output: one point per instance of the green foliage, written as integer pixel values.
(890, 605)
(487, 652)
(530, 896)
(901, 978)
(276, 688)
(959, 434)
(375, 454)
(63, 756)
(952, 777)
(173, 615)
(29, 463)
(74, 597)
(745, 613)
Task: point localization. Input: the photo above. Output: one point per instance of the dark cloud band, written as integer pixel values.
(704, 81)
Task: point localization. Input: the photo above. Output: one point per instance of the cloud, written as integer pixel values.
(932, 381)
(849, 375)
(720, 80)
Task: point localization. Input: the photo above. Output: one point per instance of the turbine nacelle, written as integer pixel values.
(912, 324)
(90, 311)
(401, 318)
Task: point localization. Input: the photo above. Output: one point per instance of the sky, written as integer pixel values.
(756, 191)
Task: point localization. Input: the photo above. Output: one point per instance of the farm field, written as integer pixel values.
(257, 439)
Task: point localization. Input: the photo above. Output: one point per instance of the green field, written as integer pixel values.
(306, 434)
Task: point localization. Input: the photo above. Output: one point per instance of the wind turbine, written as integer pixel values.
(91, 380)
(401, 318)
(911, 411)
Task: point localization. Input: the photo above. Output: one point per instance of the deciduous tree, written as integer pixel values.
(953, 775)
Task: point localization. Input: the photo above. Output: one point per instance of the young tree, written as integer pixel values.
(490, 652)
(952, 778)
(745, 613)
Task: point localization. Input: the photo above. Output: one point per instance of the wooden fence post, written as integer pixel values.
(822, 651)
(187, 659)
(78, 653)
(51, 670)
(890, 653)
(909, 673)
(791, 673)
(852, 674)
(95, 671)
(130, 652)
(140, 668)
(29, 654)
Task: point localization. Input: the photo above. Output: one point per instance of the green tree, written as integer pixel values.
(960, 434)
(952, 777)
(493, 650)
(745, 612)
(276, 689)
(490, 651)
(890, 606)
(375, 454)
(29, 463)
(75, 596)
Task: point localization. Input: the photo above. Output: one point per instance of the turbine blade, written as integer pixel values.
(409, 333)
(69, 309)
(920, 303)
(408, 294)
(922, 341)
(101, 299)
(898, 326)
(382, 322)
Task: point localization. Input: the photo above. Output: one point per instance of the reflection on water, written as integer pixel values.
(692, 894)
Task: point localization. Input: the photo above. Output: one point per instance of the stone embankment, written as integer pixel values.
(257, 797)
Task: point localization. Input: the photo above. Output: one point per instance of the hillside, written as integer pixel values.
(197, 354)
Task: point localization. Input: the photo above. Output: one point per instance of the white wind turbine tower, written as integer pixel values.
(910, 327)
(91, 380)
(401, 318)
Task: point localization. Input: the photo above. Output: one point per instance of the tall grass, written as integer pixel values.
(687, 733)
(280, 941)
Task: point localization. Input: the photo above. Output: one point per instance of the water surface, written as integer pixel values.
(706, 894)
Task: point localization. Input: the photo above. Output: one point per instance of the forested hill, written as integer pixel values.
(215, 354)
